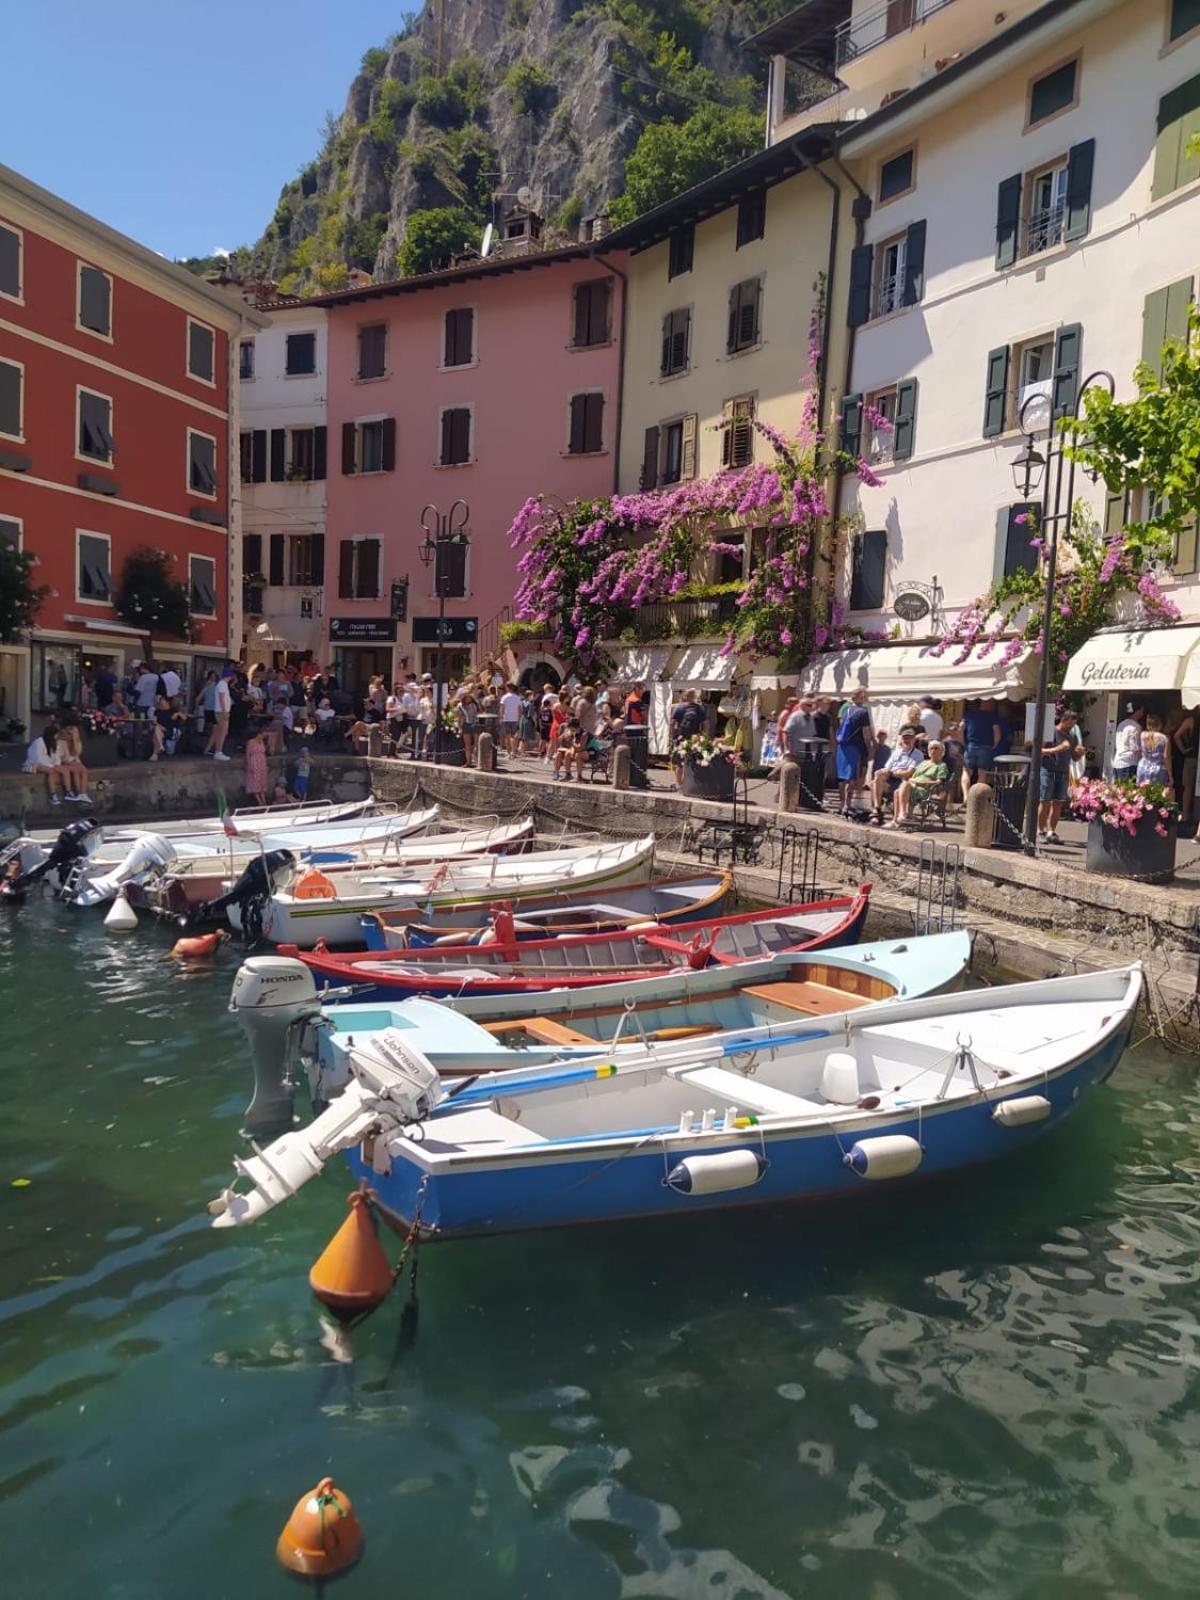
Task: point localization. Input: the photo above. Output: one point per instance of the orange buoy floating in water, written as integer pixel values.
(196, 947)
(322, 1535)
(352, 1273)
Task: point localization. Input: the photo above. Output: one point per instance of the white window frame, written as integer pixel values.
(473, 457)
(83, 599)
(1055, 168)
(20, 522)
(904, 150)
(586, 455)
(199, 494)
(1019, 393)
(663, 427)
(1076, 57)
(460, 366)
(883, 444)
(378, 377)
(80, 326)
(253, 360)
(296, 333)
(95, 461)
(196, 555)
(359, 424)
(290, 581)
(899, 243)
(17, 299)
(194, 322)
(289, 449)
(19, 438)
(686, 368)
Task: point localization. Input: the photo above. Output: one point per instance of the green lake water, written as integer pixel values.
(980, 1389)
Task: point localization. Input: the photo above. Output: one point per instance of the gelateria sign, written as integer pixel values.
(1145, 658)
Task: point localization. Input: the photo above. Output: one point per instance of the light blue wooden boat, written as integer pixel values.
(874, 1096)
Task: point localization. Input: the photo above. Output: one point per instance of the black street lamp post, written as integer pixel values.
(1027, 474)
(442, 532)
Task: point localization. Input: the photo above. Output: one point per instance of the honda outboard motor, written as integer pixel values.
(274, 998)
(72, 845)
(250, 894)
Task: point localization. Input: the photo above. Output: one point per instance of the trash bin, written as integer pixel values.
(811, 757)
(638, 740)
(1010, 781)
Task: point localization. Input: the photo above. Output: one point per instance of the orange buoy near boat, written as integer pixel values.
(322, 1535)
(352, 1274)
(197, 946)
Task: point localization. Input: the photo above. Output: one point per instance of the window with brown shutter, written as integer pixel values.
(752, 217)
(346, 570)
(251, 555)
(591, 312)
(246, 455)
(367, 576)
(737, 442)
(649, 476)
(587, 424)
(681, 249)
(459, 349)
(300, 358)
(456, 436)
(450, 571)
(678, 455)
(745, 299)
(677, 327)
(372, 350)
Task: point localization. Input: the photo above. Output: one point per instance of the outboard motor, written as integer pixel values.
(274, 998)
(150, 854)
(250, 894)
(72, 845)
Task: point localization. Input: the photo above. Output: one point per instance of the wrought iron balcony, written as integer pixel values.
(857, 35)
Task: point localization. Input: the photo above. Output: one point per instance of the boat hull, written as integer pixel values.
(508, 1192)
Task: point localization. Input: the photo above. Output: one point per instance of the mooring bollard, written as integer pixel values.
(981, 817)
(789, 785)
(485, 753)
(375, 740)
(620, 766)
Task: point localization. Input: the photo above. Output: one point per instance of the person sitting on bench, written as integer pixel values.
(917, 789)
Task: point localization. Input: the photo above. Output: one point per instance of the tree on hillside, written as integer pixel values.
(672, 156)
(433, 237)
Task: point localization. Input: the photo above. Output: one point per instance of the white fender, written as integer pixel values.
(731, 1169)
(1023, 1110)
(891, 1155)
(121, 918)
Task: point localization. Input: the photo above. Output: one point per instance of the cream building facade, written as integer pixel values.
(1034, 217)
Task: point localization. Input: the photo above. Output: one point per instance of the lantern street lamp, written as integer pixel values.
(443, 533)
(1037, 412)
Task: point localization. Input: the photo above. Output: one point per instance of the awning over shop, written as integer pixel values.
(906, 671)
(1124, 660)
(702, 667)
(640, 663)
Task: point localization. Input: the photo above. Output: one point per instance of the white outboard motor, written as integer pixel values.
(151, 853)
(397, 1072)
(274, 998)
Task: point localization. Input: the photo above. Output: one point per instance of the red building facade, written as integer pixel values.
(117, 410)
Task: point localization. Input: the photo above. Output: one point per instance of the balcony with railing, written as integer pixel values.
(1044, 228)
(860, 34)
(686, 619)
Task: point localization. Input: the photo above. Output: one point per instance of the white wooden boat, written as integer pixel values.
(866, 1099)
(332, 912)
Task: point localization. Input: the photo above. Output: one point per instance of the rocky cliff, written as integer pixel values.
(476, 99)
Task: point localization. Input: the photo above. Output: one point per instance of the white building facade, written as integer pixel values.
(284, 452)
(1033, 218)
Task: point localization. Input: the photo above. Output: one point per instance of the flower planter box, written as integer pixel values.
(449, 749)
(714, 782)
(99, 749)
(1144, 854)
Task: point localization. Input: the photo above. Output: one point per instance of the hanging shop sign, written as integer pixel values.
(362, 630)
(913, 601)
(450, 630)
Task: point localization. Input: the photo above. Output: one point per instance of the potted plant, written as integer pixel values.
(99, 730)
(708, 767)
(1132, 828)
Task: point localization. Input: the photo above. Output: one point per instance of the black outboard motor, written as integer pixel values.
(70, 846)
(250, 893)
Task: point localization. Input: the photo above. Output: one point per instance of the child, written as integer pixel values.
(300, 778)
(256, 768)
(280, 796)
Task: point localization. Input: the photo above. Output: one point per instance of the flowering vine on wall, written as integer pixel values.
(586, 566)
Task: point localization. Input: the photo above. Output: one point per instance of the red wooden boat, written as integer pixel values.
(506, 965)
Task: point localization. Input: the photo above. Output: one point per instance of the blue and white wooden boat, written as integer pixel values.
(294, 1033)
(875, 1096)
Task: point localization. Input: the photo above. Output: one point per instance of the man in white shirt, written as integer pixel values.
(146, 688)
(173, 682)
(510, 718)
(931, 719)
(222, 701)
(1127, 751)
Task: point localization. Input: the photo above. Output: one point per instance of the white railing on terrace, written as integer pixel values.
(883, 22)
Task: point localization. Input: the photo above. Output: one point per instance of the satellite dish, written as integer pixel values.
(525, 195)
(488, 235)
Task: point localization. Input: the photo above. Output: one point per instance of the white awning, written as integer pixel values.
(1121, 660)
(703, 667)
(640, 663)
(907, 671)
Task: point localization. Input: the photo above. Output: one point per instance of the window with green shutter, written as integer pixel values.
(1165, 317)
(1178, 125)
(868, 570)
(1015, 526)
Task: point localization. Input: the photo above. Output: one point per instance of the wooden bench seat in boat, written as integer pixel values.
(543, 1028)
(813, 999)
(746, 1093)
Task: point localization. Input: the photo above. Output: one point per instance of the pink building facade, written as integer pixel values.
(482, 384)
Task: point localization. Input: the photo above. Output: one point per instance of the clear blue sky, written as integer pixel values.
(177, 121)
